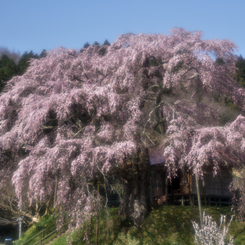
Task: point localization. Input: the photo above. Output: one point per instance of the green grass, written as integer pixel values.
(47, 221)
(164, 225)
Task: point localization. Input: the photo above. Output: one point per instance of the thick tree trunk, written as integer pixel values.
(136, 180)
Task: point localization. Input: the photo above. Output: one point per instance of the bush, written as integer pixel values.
(210, 233)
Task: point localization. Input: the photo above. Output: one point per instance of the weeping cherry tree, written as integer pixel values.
(75, 118)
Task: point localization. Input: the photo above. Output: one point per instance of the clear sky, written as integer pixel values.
(35, 25)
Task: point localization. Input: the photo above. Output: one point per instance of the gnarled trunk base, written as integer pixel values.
(136, 180)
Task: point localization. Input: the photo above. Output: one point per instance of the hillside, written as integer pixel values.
(164, 225)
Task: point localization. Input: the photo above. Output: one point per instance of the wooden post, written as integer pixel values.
(166, 187)
(97, 213)
(55, 190)
(189, 189)
(204, 191)
(198, 199)
(182, 200)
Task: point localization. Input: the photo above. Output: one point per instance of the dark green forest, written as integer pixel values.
(240, 74)
(10, 67)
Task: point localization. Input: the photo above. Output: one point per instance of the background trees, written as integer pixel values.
(75, 118)
(106, 42)
(25, 59)
(14, 64)
(240, 74)
(15, 56)
(8, 65)
(8, 69)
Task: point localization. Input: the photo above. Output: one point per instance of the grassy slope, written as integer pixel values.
(164, 225)
(47, 221)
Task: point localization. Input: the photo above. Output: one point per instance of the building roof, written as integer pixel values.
(156, 155)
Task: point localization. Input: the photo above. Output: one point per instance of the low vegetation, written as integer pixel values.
(164, 225)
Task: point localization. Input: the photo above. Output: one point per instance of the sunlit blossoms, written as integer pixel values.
(75, 117)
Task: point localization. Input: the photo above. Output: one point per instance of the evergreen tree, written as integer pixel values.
(2, 83)
(24, 61)
(106, 43)
(96, 44)
(240, 74)
(8, 69)
(86, 45)
(43, 54)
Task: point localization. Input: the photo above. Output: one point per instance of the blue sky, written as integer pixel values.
(35, 25)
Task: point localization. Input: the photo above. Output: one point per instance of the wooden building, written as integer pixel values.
(181, 189)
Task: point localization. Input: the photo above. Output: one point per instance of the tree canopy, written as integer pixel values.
(75, 117)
